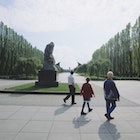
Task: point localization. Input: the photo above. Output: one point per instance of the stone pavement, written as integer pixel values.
(46, 117)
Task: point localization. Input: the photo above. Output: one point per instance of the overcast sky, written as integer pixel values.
(77, 27)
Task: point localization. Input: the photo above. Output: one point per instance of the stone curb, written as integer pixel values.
(37, 92)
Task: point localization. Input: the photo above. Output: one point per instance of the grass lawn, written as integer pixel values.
(32, 87)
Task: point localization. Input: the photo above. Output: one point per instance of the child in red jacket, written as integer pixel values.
(86, 92)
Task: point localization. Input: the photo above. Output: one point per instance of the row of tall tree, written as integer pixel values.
(121, 54)
(17, 55)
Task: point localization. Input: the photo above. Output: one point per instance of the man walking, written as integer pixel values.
(71, 85)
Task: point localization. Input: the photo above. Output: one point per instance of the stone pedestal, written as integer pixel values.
(47, 78)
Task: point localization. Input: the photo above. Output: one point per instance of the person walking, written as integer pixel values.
(86, 92)
(111, 95)
(71, 85)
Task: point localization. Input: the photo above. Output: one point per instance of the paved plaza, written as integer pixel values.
(46, 117)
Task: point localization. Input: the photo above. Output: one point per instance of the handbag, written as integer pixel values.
(111, 96)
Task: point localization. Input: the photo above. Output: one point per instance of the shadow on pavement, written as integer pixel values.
(17, 95)
(62, 109)
(80, 121)
(108, 128)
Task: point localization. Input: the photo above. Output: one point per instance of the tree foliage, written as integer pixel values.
(17, 56)
(28, 66)
(120, 54)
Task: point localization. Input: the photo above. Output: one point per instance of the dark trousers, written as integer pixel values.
(72, 94)
(83, 106)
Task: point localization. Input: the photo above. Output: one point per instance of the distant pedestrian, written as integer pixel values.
(71, 85)
(86, 92)
(111, 95)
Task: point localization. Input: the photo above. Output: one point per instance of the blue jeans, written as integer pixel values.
(110, 106)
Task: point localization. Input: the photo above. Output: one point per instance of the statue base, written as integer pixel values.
(46, 84)
(47, 78)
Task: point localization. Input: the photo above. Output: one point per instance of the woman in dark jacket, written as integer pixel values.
(111, 95)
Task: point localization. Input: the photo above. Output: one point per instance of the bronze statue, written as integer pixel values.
(47, 76)
(49, 61)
